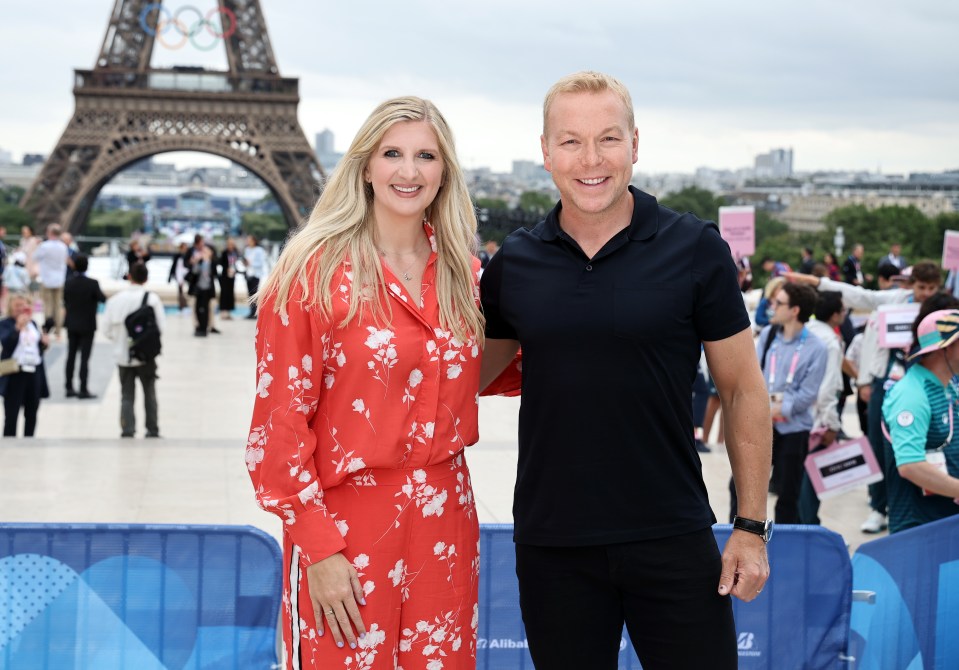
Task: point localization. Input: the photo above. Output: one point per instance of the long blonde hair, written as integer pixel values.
(341, 226)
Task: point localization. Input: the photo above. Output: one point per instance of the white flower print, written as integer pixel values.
(435, 504)
(414, 380)
(263, 385)
(300, 400)
(361, 563)
(436, 636)
(367, 648)
(360, 408)
(333, 359)
(384, 358)
(255, 443)
(400, 577)
(348, 461)
(464, 492)
(425, 496)
(453, 371)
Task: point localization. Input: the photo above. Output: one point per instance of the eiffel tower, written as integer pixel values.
(126, 111)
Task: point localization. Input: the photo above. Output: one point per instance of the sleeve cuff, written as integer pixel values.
(316, 535)
(510, 380)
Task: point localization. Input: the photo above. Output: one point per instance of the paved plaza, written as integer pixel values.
(78, 469)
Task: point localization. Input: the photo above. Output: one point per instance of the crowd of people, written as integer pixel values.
(814, 358)
(52, 275)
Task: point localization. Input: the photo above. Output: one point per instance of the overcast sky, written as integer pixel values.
(848, 85)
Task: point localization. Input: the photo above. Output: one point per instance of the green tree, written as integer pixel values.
(492, 204)
(13, 218)
(11, 194)
(265, 226)
(699, 201)
(768, 228)
(536, 202)
(877, 229)
(115, 223)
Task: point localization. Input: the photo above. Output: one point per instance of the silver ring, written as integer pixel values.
(329, 613)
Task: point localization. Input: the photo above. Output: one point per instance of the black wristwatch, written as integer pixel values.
(763, 529)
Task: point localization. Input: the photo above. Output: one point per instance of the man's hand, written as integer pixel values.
(865, 393)
(334, 591)
(745, 566)
(828, 438)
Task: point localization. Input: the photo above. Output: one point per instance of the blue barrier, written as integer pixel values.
(915, 576)
(800, 621)
(150, 597)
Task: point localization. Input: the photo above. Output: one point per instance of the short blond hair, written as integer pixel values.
(588, 81)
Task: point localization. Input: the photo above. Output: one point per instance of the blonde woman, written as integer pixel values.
(368, 345)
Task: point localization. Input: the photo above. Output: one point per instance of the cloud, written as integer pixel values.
(739, 76)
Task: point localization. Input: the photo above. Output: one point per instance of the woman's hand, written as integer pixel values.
(334, 591)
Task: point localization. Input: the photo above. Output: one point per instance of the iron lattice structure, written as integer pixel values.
(126, 111)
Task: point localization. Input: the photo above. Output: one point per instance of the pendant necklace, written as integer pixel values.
(405, 273)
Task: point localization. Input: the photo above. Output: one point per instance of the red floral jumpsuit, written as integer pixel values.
(357, 443)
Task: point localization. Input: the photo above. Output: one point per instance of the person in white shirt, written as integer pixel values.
(50, 259)
(118, 308)
(254, 256)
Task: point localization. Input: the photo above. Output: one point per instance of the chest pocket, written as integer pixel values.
(647, 312)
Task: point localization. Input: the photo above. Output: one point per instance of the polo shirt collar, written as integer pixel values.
(642, 226)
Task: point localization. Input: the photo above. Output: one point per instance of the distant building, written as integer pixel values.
(777, 164)
(324, 142)
(326, 154)
(33, 159)
(6, 158)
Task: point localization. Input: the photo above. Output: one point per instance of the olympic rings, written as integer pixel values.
(218, 17)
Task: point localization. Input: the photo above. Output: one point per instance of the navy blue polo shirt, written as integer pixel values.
(610, 350)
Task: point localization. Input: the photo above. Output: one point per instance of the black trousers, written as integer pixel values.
(789, 455)
(147, 374)
(81, 342)
(575, 601)
(878, 496)
(252, 286)
(22, 392)
(201, 307)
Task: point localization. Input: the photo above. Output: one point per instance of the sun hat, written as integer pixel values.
(937, 331)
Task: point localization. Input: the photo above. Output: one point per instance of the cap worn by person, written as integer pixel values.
(937, 331)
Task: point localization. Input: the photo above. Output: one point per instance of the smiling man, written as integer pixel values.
(611, 297)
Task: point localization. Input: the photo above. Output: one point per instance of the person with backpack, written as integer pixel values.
(134, 322)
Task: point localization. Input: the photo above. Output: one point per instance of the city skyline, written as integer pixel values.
(861, 86)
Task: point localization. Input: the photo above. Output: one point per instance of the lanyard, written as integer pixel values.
(792, 365)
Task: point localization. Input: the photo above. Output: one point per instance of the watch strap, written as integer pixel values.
(752, 526)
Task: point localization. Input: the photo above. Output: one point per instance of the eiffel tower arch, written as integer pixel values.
(125, 111)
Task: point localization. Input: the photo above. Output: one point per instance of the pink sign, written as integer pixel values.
(950, 250)
(895, 324)
(841, 467)
(737, 225)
